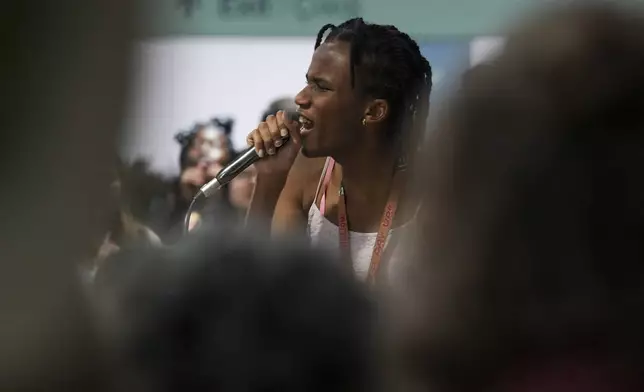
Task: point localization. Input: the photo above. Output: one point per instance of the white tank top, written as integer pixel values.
(323, 233)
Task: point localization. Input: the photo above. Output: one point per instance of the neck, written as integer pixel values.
(368, 171)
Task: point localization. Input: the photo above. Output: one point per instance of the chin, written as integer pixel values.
(306, 152)
(312, 152)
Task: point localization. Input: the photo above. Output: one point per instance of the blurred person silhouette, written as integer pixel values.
(283, 103)
(122, 229)
(530, 272)
(225, 312)
(340, 176)
(61, 105)
(140, 185)
(240, 191)
(205, 150)
(206, 143)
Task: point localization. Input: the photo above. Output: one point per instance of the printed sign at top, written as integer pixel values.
(243, 8)
(330, 9)
(188, 6)
(428, 18)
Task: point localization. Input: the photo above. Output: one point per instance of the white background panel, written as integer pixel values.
(180, 81)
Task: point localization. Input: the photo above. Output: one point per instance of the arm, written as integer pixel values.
(289, 215)
(276, 205)
(282, 197)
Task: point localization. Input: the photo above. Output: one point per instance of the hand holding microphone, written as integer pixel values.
(269, 141)
(274, 144)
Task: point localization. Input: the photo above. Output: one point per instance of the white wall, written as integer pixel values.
(179, 81)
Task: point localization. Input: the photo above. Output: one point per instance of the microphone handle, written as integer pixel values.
(237, 166)
(232, 170)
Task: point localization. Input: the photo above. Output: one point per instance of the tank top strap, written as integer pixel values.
(323, 184)
(321, 180)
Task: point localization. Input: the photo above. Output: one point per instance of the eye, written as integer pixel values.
(315, 86)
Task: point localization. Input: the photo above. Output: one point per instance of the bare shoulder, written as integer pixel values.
(304, 175)
(297, 195)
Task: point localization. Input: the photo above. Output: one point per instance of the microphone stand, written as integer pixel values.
(186, 219)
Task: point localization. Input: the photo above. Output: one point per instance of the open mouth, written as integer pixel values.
(306, 125)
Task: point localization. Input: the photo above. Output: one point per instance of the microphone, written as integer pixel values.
(237, 166)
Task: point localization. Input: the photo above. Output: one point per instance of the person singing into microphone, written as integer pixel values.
(340, 177)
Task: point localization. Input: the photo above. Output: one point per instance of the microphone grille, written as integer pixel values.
(293, 115)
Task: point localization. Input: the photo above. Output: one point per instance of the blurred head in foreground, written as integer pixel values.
(227, 313)
(535, 213)
(52, 199)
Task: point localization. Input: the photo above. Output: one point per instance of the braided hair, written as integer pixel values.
(391, 68)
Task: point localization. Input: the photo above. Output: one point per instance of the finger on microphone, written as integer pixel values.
(293, 125)
(287, 121)
(257, 142)
(282, 119)
(267, 138)
(274, 128)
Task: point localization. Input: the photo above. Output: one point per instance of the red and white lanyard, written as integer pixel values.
(386, 223)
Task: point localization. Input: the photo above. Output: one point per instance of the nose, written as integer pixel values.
(303, 98)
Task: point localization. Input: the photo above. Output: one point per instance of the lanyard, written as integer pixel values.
(383, 232)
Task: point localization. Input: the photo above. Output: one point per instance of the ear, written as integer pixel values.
(377, 111)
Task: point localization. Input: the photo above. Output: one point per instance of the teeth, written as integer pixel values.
(306, 123)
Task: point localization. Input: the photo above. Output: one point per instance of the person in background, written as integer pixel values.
(284, 103)
(530, 274)
(139, 186)
(121, 229)
(205, 150)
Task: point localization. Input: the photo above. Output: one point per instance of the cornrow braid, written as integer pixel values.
(391, 68)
